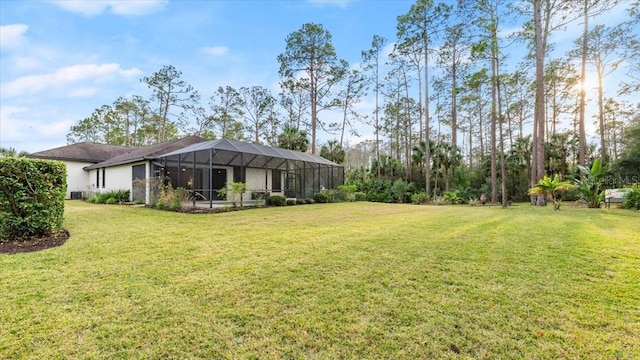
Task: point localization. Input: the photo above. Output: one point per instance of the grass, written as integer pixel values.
(327, 281)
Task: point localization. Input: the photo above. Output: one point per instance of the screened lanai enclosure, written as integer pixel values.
(207, 167)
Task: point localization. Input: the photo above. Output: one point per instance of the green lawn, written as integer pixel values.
(329, 281)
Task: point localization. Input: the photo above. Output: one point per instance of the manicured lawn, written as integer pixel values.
(329, 281)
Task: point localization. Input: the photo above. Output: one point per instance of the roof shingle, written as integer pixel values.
(147, 153)
(82, 152)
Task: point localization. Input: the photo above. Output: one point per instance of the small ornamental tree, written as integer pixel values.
(32, 193)
(552, 188)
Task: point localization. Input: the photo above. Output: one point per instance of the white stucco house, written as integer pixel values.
(200, 166)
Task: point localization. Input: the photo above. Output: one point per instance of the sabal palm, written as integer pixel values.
(332, 151)
(293, 139)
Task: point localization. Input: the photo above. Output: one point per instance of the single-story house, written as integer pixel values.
(202, 167)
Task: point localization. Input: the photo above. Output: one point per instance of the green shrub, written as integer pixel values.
(348, 192)
(300, 202)
(399, 190)
(360, 196)
(452, 197)
(92, 199)
(101, 198)
(291, 201)
(631, 199)
(419, 197)
(32, 193)
(309, 201)
(320, 197)
(110, 200)
(276, 200)
(379, 191)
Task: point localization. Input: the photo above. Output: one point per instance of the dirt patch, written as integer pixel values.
(35, 243)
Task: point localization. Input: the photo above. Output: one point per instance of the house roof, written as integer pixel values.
(82, 152)
(256, 149)
(147, 153)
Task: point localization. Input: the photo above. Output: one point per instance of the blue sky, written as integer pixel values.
(62, 59)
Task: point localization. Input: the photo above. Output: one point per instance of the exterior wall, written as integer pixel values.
(77, 178)
(255, 179)
(115, 178)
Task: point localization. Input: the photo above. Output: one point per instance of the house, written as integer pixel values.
(78, 157)
(202, 167)
(95, 167)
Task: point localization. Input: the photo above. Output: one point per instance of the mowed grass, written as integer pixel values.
(329, 281)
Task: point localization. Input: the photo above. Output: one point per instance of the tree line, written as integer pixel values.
(451, 110)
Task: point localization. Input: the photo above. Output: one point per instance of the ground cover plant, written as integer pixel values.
(326, 281)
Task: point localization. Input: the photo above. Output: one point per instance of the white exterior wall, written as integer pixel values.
(116, 178)
(77, 177)
(255, 179)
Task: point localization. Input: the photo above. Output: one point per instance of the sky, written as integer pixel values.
(60, 60)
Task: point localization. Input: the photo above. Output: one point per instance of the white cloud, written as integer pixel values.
(12, 35)
(24, 63)
(64, 77)
(216, 50)
(84, 92)
(31, 129)
(117, 7)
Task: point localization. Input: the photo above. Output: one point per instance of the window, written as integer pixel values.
(239, 174)
(103, 172)
(276, 180)
(97, 178)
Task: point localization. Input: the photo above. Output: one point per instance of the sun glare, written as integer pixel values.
(590, 84)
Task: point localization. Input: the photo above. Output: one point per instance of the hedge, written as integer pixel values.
(32, 193)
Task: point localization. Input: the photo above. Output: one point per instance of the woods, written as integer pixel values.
(470, 97)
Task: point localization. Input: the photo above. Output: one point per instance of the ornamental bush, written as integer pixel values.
(32, 193)
(631, 199)
(276, 200)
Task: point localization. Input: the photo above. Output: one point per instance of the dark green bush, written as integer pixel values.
(32, 193)
(110, 200)
(300, 202)
(360, 196)
(291, 201)
(309, 201)
(320, 197)
(276, 200)
(631, 199)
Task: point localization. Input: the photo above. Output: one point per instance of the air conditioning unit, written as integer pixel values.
(76, 195)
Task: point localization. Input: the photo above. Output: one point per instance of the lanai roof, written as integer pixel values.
(254, 149)
(82, 152)
(147, 153)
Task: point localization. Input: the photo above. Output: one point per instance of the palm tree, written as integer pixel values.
(11, 152)
(293, 139)
(332, 151)
(552, 188)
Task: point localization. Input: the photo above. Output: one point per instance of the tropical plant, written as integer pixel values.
(399, 190)
(552, 189)
(452, 197)
(590, 184)
(293, 139)
(333, 151)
